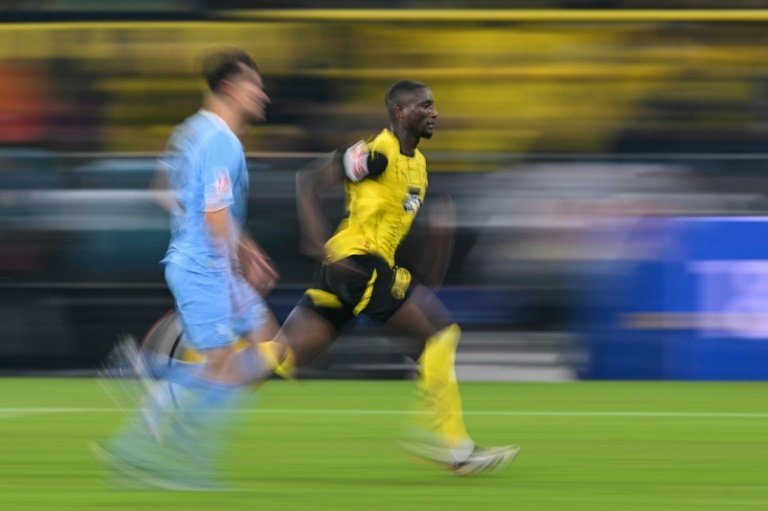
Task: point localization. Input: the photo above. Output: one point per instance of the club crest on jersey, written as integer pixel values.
(221, 188)
(223, 184)
(412, 203)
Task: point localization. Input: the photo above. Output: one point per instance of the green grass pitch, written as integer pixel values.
(331, 445)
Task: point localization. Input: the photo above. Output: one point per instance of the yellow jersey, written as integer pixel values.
(380, 209)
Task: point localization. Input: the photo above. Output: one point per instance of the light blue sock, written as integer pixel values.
(205, 419)
(189, 416)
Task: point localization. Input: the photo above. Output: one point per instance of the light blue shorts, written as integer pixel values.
(216, 308)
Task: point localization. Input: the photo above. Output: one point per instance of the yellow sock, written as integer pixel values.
(437, 378)
(284, 367)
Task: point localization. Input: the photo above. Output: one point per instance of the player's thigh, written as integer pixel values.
(421, 314)
(204, 305)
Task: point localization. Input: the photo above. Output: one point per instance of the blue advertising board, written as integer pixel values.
(696, 308)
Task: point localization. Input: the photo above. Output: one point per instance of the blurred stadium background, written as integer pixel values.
(606, 159)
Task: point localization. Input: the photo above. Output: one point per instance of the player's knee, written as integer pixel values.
(453, 330)
(449, 334)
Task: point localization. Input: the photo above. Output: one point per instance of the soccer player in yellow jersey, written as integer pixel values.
(386, 182)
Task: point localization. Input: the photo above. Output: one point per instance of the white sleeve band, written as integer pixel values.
(356, 162)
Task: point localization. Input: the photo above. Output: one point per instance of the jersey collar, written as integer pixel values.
(215, 118)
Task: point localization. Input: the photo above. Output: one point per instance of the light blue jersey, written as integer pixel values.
(206, 169)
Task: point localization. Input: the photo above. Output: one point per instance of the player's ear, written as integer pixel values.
(226, 88)
(400, 111)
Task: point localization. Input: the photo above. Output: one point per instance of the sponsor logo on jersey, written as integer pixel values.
(412, 203)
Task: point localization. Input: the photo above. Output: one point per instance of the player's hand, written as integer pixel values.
(256, 267)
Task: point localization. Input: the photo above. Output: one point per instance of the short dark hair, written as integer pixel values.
(397, 89)
(222, 63)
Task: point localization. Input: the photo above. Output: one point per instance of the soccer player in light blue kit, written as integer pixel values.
(217, 276)
(208, 177)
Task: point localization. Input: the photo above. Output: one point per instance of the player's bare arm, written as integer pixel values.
(220, 226)
(310, 183)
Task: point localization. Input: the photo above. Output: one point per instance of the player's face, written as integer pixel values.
(250, 93)
(421, 113)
